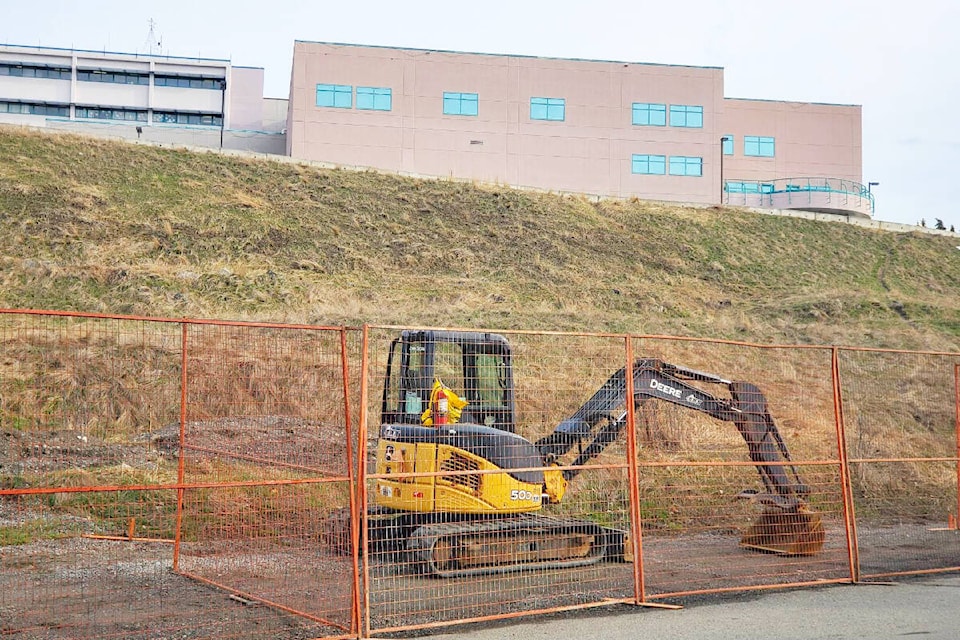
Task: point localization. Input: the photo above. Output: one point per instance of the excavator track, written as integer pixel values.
(512, 543)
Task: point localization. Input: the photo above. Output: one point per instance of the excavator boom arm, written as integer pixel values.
(602, 419)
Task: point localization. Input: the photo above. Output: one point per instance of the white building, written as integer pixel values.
(197, 101)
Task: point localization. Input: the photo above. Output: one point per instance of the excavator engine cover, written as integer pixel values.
(793, 533)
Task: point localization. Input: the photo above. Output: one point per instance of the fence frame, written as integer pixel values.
(856, 571)
(181, 486)
(357, 474)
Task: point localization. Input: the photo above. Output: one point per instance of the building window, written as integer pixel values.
(335, 95)
(548, 109)
(460, 104)
(728, 144)
(114, 77)
(682, 115)
(646, 113)
(35, 109)
(199, 119)
(97, 113)
(189, 82)
(375, 98)
(29, 71)
(762, 146)
(649, 165)
(686, 166)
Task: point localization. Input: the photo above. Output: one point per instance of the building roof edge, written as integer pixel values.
(504, 55)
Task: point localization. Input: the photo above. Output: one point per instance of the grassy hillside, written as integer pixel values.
(101, 226)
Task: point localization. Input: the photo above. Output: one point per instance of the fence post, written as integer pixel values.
(361, 518)
(846, 487)
(636, 522)
(182, 440)
(956, 405)
(355, 618)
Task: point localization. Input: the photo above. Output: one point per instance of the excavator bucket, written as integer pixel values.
(791, 533)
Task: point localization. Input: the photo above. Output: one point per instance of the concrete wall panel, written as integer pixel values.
(183, 99)
(246, 99)
(811, 140)
(34, 89)
(589, 150)
(107, 94)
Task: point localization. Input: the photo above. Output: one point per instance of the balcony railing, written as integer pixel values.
(818, 194)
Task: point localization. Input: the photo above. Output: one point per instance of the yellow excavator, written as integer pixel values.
(459, 492)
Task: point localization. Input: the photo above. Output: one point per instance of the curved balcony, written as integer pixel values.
(822, 195)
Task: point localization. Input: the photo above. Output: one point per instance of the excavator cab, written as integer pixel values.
(476, 366)
(469, 452)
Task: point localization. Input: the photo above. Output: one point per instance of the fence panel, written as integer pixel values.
(167, 478)
(268, 466)
(697, 534)
(900, 415)
(86, 520)
(494, 571)
(92, 475)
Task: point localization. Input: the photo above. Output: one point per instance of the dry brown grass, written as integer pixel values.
(103, 226)
(100, 226)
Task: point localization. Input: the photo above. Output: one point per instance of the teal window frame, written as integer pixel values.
(759, 146)
(456, 103)
(375, 98)
(686, 166)
(553, 109)
(339, 96)
(648, 164)
(686, 115)
(649, 114)
(727, 142)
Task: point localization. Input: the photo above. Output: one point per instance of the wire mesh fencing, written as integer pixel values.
(901, 421)
(110, 479)
(181, 478)
(268, 458)
(81, 400)
(458, 525)
(739, 469)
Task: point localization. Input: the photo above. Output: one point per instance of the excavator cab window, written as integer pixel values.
(475, 366)
(416, 373)
(448, 365)
(491, 381)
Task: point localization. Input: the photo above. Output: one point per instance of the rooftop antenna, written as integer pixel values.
(154, 41)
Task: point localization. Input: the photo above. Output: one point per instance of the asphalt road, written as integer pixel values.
(927, 608)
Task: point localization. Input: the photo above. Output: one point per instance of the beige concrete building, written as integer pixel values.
(620, 129)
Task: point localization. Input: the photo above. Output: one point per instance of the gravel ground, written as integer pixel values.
(78, 587)
(86, 588)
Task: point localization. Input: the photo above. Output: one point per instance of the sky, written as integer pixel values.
(899, 60)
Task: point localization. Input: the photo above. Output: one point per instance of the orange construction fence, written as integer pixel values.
(219, 479)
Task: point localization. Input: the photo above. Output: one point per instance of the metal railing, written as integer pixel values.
(798, 189)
